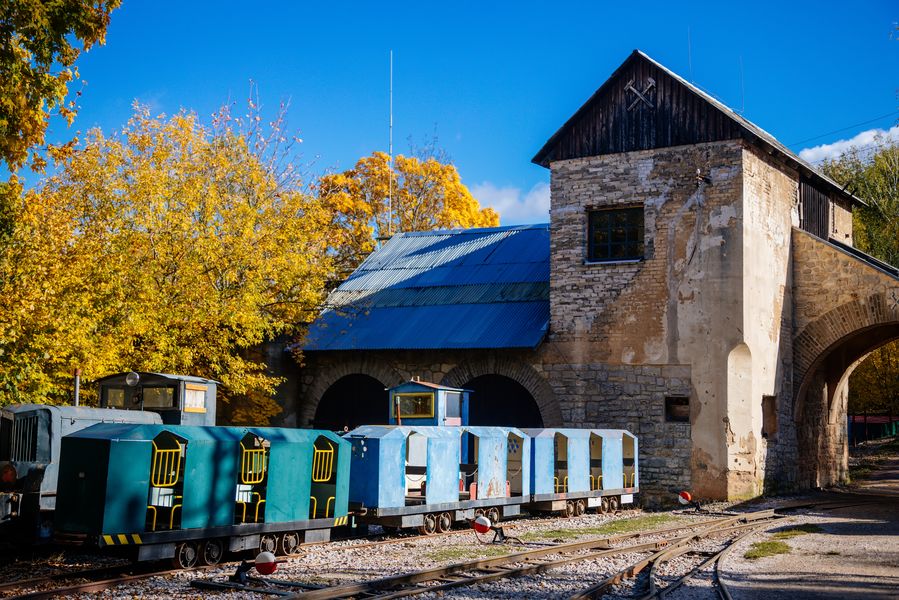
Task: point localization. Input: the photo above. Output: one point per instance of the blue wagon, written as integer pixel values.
(577, 469)
(432, 476)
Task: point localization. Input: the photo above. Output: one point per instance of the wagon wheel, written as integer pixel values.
(444, 522)
(493, 514)
(289, 542)
(211, 552)
(478, 512)
(613, 504)
(185, 555)
(580, 507)
(429, 525)
(268, 543)
(604, 505)
(569, 508)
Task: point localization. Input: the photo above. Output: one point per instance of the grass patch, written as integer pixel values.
(462, 553)
(796, 530)
(611, 528)
(763, 549)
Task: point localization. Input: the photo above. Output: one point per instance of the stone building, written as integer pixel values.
(696, 285)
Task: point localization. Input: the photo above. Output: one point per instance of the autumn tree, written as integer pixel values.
(873, 174)
(426, 194)
(171, 246)
(39, 44)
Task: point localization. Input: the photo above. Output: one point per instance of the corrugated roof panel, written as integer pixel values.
(475, 288)
(512, 325)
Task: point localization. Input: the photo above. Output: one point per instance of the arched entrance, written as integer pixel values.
(822, 384)
(499, 400)
(351, 401)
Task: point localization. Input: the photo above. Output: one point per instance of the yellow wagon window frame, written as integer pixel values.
(193, 387)
(416, 415)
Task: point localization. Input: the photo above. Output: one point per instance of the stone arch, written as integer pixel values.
(839, 338)
(824, 354)
(522, 373)
(328, 374)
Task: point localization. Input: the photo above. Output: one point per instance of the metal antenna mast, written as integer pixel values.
(390, 155)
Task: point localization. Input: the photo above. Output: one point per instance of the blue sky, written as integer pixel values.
(492, 80)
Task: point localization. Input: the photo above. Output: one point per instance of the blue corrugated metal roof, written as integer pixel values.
(469, 288)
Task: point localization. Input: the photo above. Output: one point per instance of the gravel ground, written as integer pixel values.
(855, 553)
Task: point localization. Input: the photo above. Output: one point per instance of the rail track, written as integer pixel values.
(666, 545)
(101, 578)
(527, 562)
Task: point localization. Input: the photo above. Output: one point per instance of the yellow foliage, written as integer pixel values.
(169, 247)
(427, 195)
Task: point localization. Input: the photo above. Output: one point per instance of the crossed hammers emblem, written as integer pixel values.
(641, 96)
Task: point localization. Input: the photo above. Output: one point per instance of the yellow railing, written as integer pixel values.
(314, 505)
(596, 482)
(166, 469)
(633, 475)
(252, 465)
(322, 463)
(328, 505)
(561, 488)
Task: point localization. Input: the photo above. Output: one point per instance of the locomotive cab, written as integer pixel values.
(30, 438)
(178, 399)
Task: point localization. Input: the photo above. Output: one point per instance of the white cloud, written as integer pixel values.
(864, 139)
(513, 206)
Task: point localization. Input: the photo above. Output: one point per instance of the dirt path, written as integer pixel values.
(851, 552)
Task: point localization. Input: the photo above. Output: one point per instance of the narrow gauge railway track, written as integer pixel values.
(527, 562)
(102, 578)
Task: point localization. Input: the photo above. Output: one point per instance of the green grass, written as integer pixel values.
(611, 528)
(763, 549)
(463, 553)
(792, 532)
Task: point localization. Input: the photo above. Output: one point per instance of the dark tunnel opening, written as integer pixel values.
(351, 401)
(499, 400)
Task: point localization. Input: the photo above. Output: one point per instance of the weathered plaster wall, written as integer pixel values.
(841, 222)
(677, 312)
(770, 210)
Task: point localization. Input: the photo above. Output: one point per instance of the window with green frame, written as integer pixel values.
(615, 234)
(414, 405)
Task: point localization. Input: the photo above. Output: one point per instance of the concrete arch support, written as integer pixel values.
(524, 374)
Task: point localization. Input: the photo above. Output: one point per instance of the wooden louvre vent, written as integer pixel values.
(814, 210)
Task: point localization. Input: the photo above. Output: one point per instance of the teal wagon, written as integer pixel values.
(193, 493)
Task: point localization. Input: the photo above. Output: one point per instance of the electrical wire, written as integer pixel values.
(894, 112)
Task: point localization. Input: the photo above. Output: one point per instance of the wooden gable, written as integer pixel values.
(640, 107)
(643, 106)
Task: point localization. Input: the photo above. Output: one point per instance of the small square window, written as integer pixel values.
(615, 234)
(677, 409)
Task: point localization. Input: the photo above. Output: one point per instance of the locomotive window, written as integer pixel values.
(114, 397)
(453, 405)
(414, 405)
(195, 398)
(159, 397)
(5, 435)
